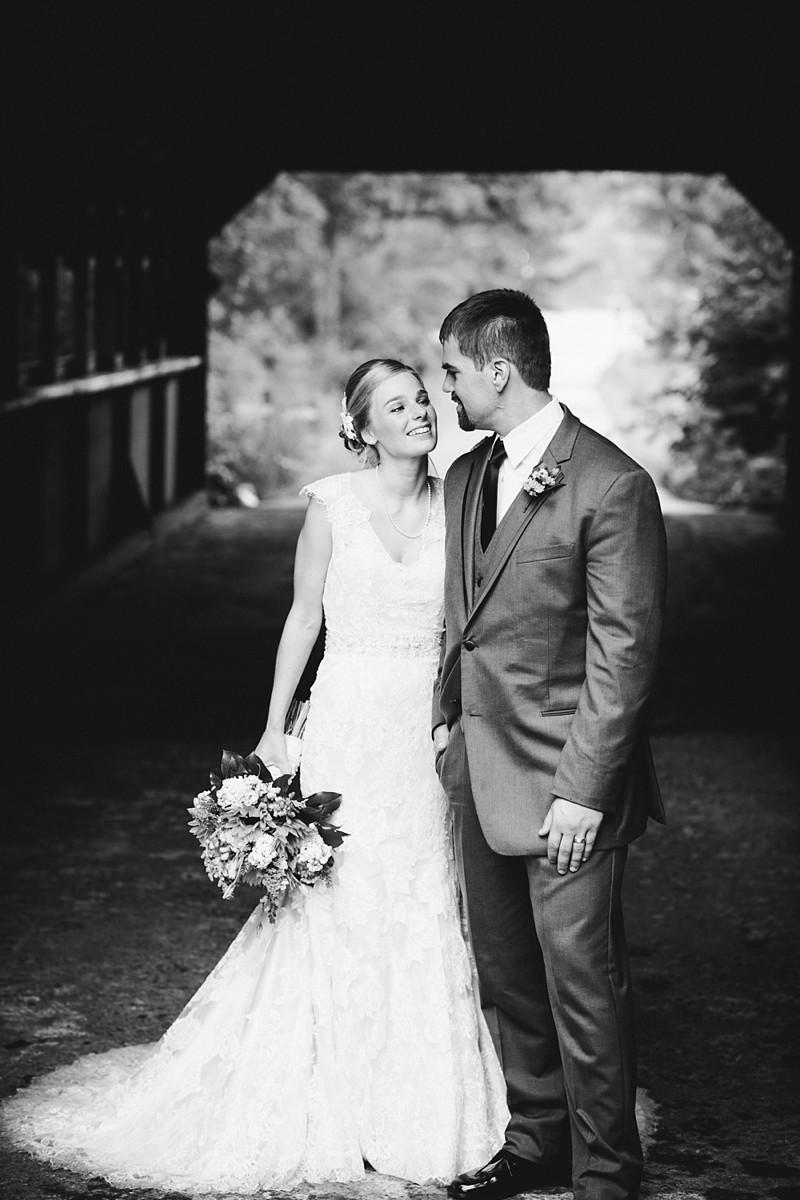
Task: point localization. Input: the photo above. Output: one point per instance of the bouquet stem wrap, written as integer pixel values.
(295, 728)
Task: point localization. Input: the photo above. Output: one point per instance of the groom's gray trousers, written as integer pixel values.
(553, 968)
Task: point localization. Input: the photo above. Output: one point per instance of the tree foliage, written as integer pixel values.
(733, 273)
(321, 271)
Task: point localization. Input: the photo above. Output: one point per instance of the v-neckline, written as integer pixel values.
(368, 511)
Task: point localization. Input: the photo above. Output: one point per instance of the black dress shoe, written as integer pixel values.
(508, 1175)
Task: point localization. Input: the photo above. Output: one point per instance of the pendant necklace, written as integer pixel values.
(411, 536)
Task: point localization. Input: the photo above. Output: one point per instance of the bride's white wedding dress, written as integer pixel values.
(350, 1029)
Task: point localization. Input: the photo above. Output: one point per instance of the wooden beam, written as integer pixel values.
(111, 381)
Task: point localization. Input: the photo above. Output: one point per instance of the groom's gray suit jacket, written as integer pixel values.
(551, 641)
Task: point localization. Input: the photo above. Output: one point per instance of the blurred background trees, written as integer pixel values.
(736, 271)
(667, 296)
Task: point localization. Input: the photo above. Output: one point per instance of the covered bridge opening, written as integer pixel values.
(667, 297)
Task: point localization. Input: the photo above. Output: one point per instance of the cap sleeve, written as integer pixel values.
(324, 491)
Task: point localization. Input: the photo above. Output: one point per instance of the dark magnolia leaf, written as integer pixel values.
(332, 836)
(228, 758)
(329, 807)
(233, 764)
(256, 766)
(215, 779)
(324, 798)
(318, 808)
(283, 784)
(314, 816)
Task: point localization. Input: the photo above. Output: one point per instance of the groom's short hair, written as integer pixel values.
(502, 322)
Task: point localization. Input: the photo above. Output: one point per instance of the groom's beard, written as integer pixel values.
(463, 420)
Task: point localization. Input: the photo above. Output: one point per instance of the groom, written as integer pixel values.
(554, 593)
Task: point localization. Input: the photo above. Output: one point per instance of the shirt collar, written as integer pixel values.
(521, 441)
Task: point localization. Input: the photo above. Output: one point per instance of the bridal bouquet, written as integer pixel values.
(260, 831)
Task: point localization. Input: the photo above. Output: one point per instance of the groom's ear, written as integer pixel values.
(500, 373)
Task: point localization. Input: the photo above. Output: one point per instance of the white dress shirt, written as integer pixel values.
(525, 446)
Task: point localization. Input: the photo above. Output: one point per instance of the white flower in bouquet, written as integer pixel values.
(229, 868)
(280, 806)
(265, 847)
(203, 812)
(313, 855)
(220, 861)
(235, 839)
(275, 884)
(241, 794)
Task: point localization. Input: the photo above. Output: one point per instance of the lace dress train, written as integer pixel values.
(350, 1029)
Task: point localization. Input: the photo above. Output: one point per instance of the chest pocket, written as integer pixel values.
(532, 554)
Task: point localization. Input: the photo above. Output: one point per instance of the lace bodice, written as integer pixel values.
(373, 604)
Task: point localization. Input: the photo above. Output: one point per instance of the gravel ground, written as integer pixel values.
(126, 691)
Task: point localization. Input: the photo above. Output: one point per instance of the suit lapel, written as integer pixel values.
(519, 516)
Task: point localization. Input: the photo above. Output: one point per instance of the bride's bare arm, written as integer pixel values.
(300, 630)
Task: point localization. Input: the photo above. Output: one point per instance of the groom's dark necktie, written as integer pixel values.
(489, 517)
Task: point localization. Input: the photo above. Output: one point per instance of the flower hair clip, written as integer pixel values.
(540, 479)
(347, 421)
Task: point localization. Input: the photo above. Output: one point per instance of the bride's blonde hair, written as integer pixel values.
(357, 398)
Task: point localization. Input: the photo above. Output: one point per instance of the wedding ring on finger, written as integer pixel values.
(576, 853)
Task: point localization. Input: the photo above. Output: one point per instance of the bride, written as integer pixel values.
(348, 1032)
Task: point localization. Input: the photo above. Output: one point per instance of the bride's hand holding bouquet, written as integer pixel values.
(273, 752)
(281, 747)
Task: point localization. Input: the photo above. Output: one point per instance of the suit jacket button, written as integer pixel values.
(469, 644)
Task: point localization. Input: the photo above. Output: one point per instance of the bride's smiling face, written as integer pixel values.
(402, 420)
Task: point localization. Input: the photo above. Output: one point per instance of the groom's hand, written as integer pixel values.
(441, 736)
(570, 830)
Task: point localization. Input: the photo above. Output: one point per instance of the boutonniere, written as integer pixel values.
(540, 480)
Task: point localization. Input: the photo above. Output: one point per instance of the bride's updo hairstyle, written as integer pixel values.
(357, 398)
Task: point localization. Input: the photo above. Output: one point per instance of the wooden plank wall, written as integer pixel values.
(102, 411)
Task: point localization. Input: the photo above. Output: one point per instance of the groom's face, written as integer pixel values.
(469, 387)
